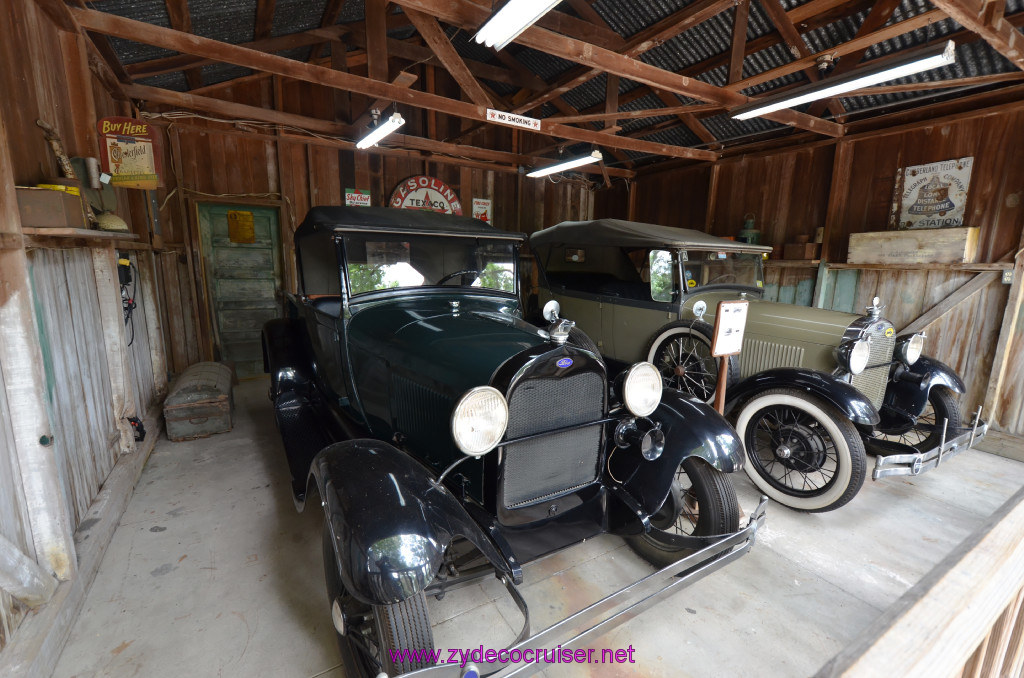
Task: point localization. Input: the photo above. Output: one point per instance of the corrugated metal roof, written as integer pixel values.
(232, 21)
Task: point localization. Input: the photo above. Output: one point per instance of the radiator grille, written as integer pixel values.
(551, 465)
(758, 356)
(873, 381)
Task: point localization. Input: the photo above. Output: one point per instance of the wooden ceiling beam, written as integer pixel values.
(739, 40)
(633, 115)
(332, 11)
(468, 15)
(241, 56)
(646, 40)
(178, 62)
(876, 18)
(858, 43)
(992, 27)
(404, 80)
(442, 47)
(264, 24)
(376, 39)
(234, 111)
(181, 20)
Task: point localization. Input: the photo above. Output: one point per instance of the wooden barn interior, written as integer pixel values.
(257, 105)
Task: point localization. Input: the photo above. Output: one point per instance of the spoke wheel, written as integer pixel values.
(801, 451)
(926, 433)
(372, 630)
(702, 502)
(682, 354)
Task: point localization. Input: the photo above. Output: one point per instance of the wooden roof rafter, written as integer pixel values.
(240, 56)
(469, 15)
(985, 18)
(181, 20)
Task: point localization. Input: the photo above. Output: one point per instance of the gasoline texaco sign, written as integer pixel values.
(426, 193)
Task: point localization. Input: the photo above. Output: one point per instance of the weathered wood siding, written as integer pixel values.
(85, 433)
(137, 332)
(14, 521)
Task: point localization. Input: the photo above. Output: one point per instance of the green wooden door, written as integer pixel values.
(242, 263)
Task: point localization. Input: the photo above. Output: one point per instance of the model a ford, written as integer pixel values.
(448, 439)
(812, 389)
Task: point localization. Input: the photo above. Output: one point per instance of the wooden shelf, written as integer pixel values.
(84, 233)
(791, 263)
(925, 267)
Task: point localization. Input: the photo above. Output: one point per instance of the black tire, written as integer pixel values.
(682, 353)
(702, 503)
(378, 628)
(801, 451)
(579, 338)
(926, 434)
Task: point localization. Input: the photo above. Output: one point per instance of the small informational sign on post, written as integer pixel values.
(512, 119)
(730, 322)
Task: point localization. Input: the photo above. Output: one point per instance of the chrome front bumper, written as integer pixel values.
(582, 627)
(915, 463)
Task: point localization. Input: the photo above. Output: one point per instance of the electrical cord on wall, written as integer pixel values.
(128, 300)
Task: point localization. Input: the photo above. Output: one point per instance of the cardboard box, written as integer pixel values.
(45, 208)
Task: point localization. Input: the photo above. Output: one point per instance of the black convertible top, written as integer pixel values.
(398, 220)
(621, 233)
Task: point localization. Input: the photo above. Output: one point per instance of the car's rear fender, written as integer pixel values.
(390, 521)
(909, 386)
(844, 396)
(692, 429)
(286, 356)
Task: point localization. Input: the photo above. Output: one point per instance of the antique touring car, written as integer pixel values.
(812, 389)
(448, 439)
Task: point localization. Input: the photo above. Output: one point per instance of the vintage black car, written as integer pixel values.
(812, 391)
(448, 439)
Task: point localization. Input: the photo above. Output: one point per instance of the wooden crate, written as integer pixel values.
(199, 403)
(44, 208)
(925, 246)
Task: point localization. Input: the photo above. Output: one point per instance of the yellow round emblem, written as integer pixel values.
(889, 332)
(691, 283)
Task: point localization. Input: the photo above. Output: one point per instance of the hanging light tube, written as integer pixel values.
(568, 164)
(511, 20)
(382, 130)
(918, 61)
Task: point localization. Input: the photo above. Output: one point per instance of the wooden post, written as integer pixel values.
(723, 374)
(25, 384)
(108, 291)
(842, 168)
(157, 350)
(712, 202)
(994, 405)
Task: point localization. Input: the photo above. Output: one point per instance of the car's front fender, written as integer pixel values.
(692, 429)
(909, 386)
(390, 522)
(841, 394)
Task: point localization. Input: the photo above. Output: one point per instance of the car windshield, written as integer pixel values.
(727, 269)
(382, 261)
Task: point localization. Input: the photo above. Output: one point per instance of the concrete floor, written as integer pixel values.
(213, 573)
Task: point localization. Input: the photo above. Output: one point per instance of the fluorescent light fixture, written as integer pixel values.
(568, 164)
(511, 20)
(918, 61)
(381, 130)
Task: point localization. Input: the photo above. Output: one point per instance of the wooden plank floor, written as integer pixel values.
(212, 572)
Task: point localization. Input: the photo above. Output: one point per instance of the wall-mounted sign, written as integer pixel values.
(130, 152)
(932, 196)
(482, 209)
(357, 197)
(506, 118)
(426, 193)
(241, 227)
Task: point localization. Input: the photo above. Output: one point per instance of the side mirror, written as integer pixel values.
(551, 311)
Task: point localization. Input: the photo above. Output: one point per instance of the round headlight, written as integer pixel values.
(858, 357)
(479, 420)
(910, 348)
(641, 389)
